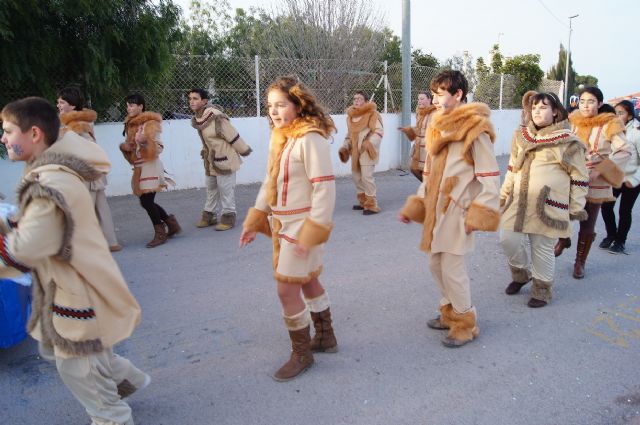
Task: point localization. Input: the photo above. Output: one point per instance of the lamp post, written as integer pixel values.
(406, 77)
(566, 68)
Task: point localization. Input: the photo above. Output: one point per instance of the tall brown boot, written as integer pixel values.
(360, 205)
(584, 245)
(370, 206)
(324, 340)
(301, 356)
(172, 225)
(160, 236)
(462, 328)
(561, 245)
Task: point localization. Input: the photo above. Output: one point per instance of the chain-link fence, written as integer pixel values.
(238, 85)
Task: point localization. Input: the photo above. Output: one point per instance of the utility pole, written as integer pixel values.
(566, 68)
(406, 78)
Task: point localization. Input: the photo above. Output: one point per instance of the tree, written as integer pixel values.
(482, 70)
(557, 71)
(496, 59)
(204, 32)
(527, 69)
(586, 80)
(418, 57)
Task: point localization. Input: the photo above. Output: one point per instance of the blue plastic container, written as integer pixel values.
(15, 308)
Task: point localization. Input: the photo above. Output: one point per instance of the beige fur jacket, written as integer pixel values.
(81, 303)
(222, 145)
(461, 181)
(364, 135)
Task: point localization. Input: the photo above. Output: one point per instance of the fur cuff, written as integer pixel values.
(481, 217)
(409, 132)
(318, 304)
(344, 154)
(256, 220)
(579, 216)
(370, 150)
(247, 152)
(414, 209)
(298, 321)
(542, 290)
(313, 233)
(610, 172)
(520, 275)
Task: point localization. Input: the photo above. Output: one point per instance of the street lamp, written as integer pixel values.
(566, 68)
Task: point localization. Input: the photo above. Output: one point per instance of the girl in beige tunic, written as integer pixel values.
(424, 112)
(607, 155)
(545, 187)
(295, 208)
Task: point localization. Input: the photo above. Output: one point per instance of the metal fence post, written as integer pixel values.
(386, 86)
(257, 68)
(501, 89)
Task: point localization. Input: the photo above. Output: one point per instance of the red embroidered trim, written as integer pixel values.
(530, 139)
(73, 313)
(580, 183)
(489, 174)
(149, 178)
(285, 184)
(287, 238)
(322, 179)
(291, 212)
(599, 187)
(6, 257)
(557, 204)
(509, 168)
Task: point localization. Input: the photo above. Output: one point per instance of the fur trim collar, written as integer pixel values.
(143, 117)
(86, 115)
(423, 112)
(209, 115)
(465, 123)
(367, 108)
(553, 134)
(77, 165)
(584, 125)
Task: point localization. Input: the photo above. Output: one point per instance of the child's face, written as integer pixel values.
(358, 100)
(64, 106)
(444, 101)
(282, 111)
(134, 109)
(20, 146)
(542, 114)
(622, 113)
(423, 101)
(589, 105)
(196, 102)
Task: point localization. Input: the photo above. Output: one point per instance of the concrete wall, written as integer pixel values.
(181, 156)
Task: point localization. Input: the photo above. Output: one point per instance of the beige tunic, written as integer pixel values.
(374, 136)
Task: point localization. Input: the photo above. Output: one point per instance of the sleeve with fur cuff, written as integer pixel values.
(579, 216)
(313, 233)
(481, 217)
(256, 221)
(413, 209)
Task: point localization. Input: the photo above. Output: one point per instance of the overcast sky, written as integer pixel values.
(604, 42)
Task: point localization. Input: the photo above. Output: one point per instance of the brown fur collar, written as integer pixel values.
(279, 137)
(422, 113)
(86, 115)
(83, 168)
(143, 117)
(365, 109)
(584, 125)
(209, 115)
(463, 124)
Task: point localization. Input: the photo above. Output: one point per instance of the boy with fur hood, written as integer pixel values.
(459, 195)
(424, 113)
(362, 144)
(74, 117)
(81, 305)
(222, 148)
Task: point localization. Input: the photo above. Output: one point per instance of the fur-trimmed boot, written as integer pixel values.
(462, 328)
(370, 206)
(541, 293)
(360, 205)
(159, 237)
(301, 356)
(208, 219)
(582, 252)
(441, 322)
(520, 277)
(172, 225)
(561, 245)
(227, 221)
(324, 339)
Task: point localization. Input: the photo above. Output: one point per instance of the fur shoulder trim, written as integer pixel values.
(423, 112)
(83, 168)
(307, 124)
(614, 127)
(86, 115)
(599, 120)
(209, 115)
(367, 108)
(144, 117)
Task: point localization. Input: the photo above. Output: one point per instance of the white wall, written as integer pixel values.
(181, 156)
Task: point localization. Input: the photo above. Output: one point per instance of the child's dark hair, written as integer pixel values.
(628, 106)
(553, 101)
(137, 99)
(451, 81)
(363, 94)
(73, 96)
(596, 92)
(201, 92)
(606, 108)
(426, 93)
(33, 112)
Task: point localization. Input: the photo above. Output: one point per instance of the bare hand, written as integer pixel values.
(301, 251)
(247, 237)
(404, 219)
(139, 137)
(468, 229)
(629, 184)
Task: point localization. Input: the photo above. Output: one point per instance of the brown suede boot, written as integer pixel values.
(172, 225)
(584, 245)
(462, 329)
(441, 322)
(370, 206)
(160, 236)
(324, 340)
(227, 221)
(360, 205)
(301, 356)
(207, 219)
(561, 245)
(520, 277)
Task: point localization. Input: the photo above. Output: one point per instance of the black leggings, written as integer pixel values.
(156, 213)
(589, 225)
(627, 199)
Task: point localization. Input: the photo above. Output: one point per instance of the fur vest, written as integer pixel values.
(152, 126)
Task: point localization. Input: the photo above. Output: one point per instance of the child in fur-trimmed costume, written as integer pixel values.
(295, 208)
(74, 117)
(362, 144)
(222, 148)
(459, 195)
(607, 155)
(142, 149)
(81, 304)
(545, 187)
(424, 112)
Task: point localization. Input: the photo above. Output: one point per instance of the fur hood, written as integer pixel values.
(464, 123)
(365, 109)
(584, 125)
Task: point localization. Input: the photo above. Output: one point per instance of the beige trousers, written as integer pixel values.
(517, 247)
(93, 381)
(364, 180)
(450, 273)
(104, 216)
(221, 190)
